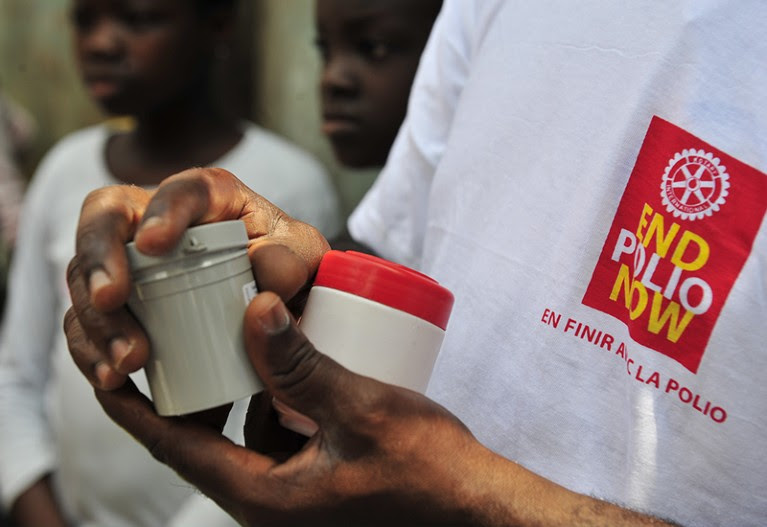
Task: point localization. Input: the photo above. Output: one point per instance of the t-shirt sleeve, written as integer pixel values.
(391, 218)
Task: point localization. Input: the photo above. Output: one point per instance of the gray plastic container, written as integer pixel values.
(191, 302)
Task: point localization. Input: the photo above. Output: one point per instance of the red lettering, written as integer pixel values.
(721, 415)
(590, 334)
(654, 379)
(550, 318)
(672, 385)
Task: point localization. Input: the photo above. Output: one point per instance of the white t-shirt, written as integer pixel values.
(557, 159)
(50, 418)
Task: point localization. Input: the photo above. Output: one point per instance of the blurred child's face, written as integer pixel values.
(370, 51)
(137, 55)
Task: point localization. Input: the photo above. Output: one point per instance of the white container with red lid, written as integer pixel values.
(377, 318)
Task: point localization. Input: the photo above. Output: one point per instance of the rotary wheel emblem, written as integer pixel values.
(694, 185)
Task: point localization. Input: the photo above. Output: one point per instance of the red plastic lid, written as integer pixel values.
(387, 283)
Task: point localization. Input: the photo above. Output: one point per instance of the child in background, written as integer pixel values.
(370, 51)
(62, 461)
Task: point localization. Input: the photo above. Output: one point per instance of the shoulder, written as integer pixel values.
(74, 161)
(79, 148)
(84, 138)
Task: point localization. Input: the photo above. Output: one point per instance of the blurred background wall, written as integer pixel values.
(273, 77)
(36, 70)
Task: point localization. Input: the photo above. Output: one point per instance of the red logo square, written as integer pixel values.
(683, 230)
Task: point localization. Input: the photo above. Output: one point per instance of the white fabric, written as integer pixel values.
(50, 418)
(523, 128)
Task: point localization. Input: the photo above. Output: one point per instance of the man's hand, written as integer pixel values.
(284, 254)
(382, 455)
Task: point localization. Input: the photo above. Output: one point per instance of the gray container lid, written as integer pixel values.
(198, 240)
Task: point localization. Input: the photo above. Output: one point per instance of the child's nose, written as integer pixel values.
(339, 76)
(102, 38)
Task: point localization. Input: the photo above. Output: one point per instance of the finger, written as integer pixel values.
(108, 220)
(278, 268)
(284, 252)
(286, 260)
(224, 471)
(88, 358)
(198, 195)
(297, 374)
(115, 339)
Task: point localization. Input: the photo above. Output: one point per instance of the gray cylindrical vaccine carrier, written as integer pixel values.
(191, 302)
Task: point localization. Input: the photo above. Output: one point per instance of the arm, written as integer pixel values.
(26, 448)
(383, 455)
(37, 506)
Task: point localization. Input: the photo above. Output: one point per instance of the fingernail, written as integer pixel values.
(153, 221)
(119, 349)
(285, 410)
(103, 371)
(305, 426)
(293, 420)
(98, 279)
(275, 319)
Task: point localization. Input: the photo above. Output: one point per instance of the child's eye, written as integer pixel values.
(322, 48)
(375, 49)
(141, 20)
(82, 18)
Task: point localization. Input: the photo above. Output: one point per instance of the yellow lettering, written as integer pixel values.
(646, 211)
(662, 242)
(636, 285)
(679, 253)
(630, 288)
(670, 316)
(622, 280)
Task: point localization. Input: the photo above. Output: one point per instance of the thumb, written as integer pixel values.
(289, 365)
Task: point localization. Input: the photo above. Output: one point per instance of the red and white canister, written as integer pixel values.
(377, 318)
